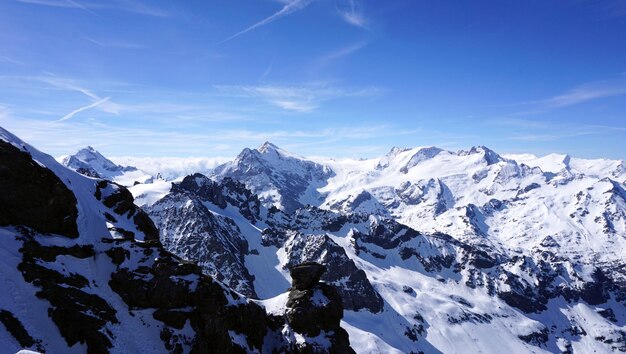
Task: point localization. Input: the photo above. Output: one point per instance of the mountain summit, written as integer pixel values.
(279, 178)
(89, 162)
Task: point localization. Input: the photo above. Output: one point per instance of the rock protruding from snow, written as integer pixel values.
(33, 195)
(306, 275)
(227, 191)
(120, 201)
(489, 156)
(98, 294)
(352, 283)
(314, 311)
(92, 163)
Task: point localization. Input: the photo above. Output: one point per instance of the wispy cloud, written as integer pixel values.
(104, 104)
(63, 137)
(267, 72)
(559, 132)
(587, 92)
(302, 98)
(114, 44)
(6, 59)
(119, 5)
(353, 15)
(287, 9)
(342, 52)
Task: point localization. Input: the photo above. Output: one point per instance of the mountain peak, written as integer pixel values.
(90, 162)
(267, 147)
(397, 150)
(490, 156)
(87, 150)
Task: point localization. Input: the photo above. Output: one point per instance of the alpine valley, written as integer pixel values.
(426, 250)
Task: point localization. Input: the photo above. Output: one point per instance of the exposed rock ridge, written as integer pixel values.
(314, 310)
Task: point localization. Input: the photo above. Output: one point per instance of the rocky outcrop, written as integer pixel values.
(190, 230)
(15, 327)
(356, 291)
(227, 191)
(314, 310)
(180, 295)
(121, 202)
(104, 294)
(33, 195)
(80, 315)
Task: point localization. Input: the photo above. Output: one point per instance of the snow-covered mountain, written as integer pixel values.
(278, 177)
(431, 250)
(89, 162)
(428, 250)
(83, 271)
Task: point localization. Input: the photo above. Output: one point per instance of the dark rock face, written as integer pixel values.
(33, 196)
(121, 201)
(227, 191)
(180, 293)
(315, 310)
(17, 330)
(351, 282)
(306, 275)
(80, 315)
(198, 314)
(215, 242)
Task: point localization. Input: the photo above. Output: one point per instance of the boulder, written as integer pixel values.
(305, 276)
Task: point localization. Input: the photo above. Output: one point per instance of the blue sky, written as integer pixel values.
(317, 77)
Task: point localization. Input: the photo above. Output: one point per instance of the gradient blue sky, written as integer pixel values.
(317, 77)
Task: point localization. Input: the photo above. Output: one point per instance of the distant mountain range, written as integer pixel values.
(430, 250)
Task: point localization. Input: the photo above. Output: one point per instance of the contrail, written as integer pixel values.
(288, 9)
(74, 112)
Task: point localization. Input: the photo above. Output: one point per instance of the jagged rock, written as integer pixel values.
(17, 330)
(180, 293)
(315, 309)
(118, 198)
(79, 314)
(305, 276)
(351, 282)
(214, 241)
(33, 195)
(227, 191)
